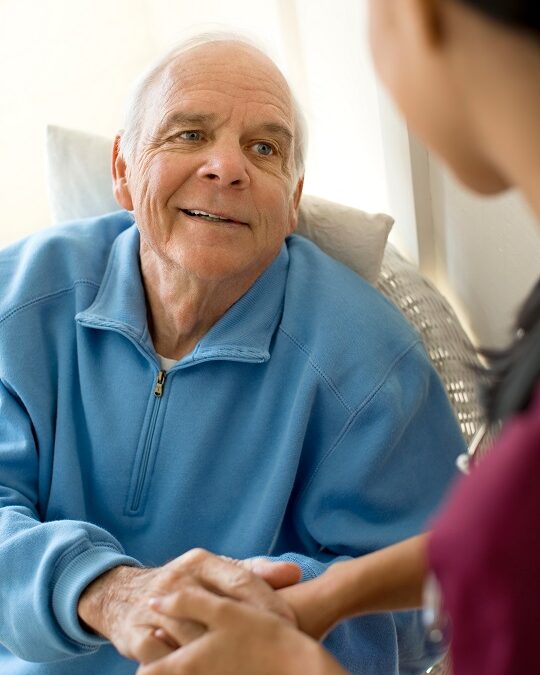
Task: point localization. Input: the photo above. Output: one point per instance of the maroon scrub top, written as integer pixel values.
(485, 552)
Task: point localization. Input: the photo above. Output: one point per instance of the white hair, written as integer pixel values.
(135, 105)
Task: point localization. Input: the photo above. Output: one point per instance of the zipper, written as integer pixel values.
(160, 383)
(143, 467)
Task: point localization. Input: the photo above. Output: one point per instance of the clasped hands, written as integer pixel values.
(150, 613)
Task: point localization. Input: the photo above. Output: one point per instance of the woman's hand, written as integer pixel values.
(239, 640)
(387, 580)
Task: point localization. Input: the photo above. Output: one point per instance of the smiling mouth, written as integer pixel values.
(210, 217)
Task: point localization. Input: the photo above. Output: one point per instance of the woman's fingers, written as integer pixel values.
(194, 604)
(151, 648)
(177, 632)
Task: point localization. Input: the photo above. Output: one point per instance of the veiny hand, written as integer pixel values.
(239, 640)
(313, 602)
(277, 574)
(117, 604)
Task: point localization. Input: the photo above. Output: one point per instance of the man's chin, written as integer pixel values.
(211, 262)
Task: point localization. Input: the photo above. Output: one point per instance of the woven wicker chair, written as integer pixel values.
(447, 344)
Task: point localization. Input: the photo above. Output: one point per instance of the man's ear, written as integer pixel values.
(120, 186)
(293, 217)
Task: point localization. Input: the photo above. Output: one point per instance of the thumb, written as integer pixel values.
(277, 574)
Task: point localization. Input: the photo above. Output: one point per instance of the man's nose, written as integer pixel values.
(226, 165)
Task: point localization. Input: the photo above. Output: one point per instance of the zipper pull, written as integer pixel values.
(160, 383)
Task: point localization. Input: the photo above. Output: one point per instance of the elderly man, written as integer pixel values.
(184, 375)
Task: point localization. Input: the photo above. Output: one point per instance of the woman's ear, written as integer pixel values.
(404, 32)
(118, 168)
(429, 22)
(425, 20)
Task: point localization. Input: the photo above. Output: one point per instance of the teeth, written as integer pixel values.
(207, 216)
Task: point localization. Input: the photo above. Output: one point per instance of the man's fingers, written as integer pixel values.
(225, 577)
(150, 648)
(277, 574)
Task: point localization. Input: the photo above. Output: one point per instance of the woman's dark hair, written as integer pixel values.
(518, 13)
(514, 372)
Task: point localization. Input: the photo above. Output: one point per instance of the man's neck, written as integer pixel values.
(181, 309)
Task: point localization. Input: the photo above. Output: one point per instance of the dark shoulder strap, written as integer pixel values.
(520, 382)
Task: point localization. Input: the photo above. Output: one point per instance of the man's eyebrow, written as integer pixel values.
(277, 129)
(182, 119)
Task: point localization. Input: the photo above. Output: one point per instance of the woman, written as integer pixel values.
(466, 74)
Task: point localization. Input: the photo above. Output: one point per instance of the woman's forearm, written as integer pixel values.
(390, 579)
(387, 580)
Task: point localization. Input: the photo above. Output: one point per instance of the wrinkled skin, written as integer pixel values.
(117, 605)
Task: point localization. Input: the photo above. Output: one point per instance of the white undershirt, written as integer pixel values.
(166, 364)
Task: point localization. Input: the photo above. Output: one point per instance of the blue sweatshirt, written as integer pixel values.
(306, 424)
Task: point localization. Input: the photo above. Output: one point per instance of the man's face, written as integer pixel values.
(217, 139)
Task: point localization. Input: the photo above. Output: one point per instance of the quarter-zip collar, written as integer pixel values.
(243, 333)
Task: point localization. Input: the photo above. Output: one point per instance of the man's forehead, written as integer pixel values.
(227, 68)
(227, 55)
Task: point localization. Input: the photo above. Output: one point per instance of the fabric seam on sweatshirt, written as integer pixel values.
(317, 369)
(356, 412)
(47, 296)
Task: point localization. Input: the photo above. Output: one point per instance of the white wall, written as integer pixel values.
(487, 254)
(70, 62)
(67, 63)
(346, 161)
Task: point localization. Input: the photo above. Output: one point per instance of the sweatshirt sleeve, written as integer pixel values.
(380, 482)
(45, 566)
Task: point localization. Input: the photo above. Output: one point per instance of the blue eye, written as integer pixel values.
(190, 135)
(264, 149)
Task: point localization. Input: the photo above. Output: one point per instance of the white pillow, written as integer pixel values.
(79, 179)
(79, 185)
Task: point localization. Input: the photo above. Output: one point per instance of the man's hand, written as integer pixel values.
(315, 603)
(277, 574)
(117, 604)
(239, 640)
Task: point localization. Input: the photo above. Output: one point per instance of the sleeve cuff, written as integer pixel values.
(73, 576)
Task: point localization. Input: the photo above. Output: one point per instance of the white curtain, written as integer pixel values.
(71, 62)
